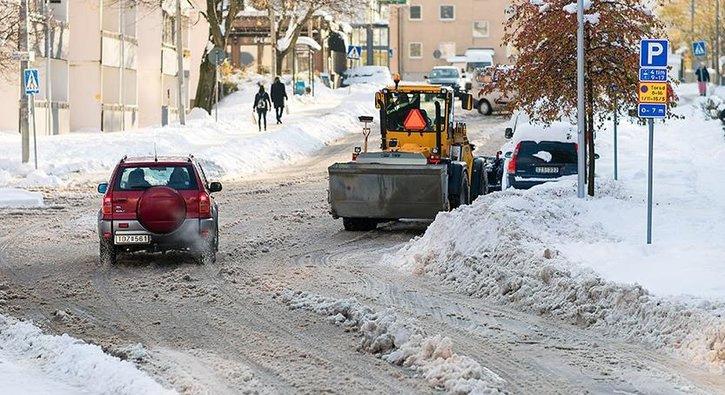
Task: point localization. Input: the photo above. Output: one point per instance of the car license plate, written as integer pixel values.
(132, 239)
(547, 170)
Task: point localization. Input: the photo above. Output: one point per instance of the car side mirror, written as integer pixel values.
(103, 188)
(508, 133)
(463, 76)
(507, 155)
(425, 77)
(467, 101)
(379, 100)
(596, 156)
(215, 187)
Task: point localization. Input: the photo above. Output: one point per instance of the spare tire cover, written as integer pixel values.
(161, 210)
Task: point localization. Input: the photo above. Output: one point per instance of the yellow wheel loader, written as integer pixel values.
(425, 165)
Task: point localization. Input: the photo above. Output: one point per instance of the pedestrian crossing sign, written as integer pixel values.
(31, 81)
(699, 49)
(354, 51)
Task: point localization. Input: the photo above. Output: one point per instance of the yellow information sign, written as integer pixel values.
(652, 92)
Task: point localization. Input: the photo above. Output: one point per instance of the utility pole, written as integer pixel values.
(581, 156)
(48, 87)
(180, 66)
(23, 45)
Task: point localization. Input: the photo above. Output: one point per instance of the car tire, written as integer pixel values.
(107, 254)
(359, 224)
(208, 253)
(484, 107)
(461, 198)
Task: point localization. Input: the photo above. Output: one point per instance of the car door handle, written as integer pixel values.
(120, 200)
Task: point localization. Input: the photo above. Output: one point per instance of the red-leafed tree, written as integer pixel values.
(543, 32)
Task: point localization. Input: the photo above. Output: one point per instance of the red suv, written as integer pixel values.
(158, 204)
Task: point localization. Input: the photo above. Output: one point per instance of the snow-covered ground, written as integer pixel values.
(231, 148)
(586, 261)
(35, 363)
(14, 197)
(402, 343)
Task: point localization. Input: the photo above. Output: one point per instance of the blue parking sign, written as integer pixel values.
(653, 53)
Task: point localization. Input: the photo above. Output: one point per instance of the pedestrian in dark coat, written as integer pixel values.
(279, 95)
(703, 77)
(262, 104)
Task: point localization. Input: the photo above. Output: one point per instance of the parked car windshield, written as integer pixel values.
(545, 152)
(399, 106)
(444, 73)
(134, 178)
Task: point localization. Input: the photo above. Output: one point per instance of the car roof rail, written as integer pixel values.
(124, 158)
(191, 158)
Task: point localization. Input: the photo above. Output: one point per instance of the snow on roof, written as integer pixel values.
(309, 41)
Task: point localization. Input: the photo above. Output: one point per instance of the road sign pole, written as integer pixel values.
(580, 97)
(35, 135)
(651, 124)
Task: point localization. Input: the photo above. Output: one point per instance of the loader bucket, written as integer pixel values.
(387, 191)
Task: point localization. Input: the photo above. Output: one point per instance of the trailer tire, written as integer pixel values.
(359, 224)
(461, 198)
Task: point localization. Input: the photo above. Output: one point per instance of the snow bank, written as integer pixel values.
(13, 197)
(586, 261)
(402, 343)
(231, 148)
(32, 362)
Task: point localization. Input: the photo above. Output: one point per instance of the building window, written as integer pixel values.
(480, 29)
(415, 50)
(447, 49)
(416, 13)
(447, 13)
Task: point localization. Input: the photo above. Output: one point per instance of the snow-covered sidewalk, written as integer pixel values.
(231, 148)
(35, 363)
(586, 261)
(13, 197)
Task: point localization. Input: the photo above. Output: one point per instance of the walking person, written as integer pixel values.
(279, 95)
(703, 78)
(261, 104)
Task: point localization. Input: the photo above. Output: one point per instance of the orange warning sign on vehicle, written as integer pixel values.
(414, 120)
(652, 92)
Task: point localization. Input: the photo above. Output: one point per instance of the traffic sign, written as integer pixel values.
(31, 81)
(653, 53)
(216, 56)
(699, 49)
(652, 92)
(649, 74)
(649, 110)
(354, 51)
(24, 56)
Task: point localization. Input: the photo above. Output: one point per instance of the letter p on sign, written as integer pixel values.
(653, 53)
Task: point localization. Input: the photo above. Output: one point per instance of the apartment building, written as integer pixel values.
(429, 33)
(113, 65)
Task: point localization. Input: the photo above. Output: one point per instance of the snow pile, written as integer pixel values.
(12, 197)
(402, 343)
(32, 362)
(231, 148)
(586, 261)
(375, 75)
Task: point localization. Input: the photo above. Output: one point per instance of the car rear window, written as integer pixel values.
(134, 178)
(548, 152)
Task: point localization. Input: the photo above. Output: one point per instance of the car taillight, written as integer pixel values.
(434, 159)
(107, 206)
(204, 205)
(514, 157)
